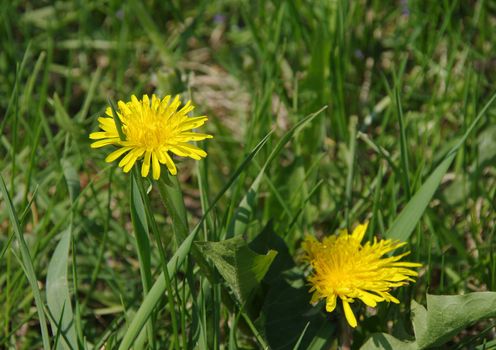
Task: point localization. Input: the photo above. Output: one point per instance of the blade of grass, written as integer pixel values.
(140, 226)
(90, 95)
(156, 233)
(404, 151)
(405, 222)
(156, 292)
(27, 264)
(351, 166)
(237, 225)
(172, 196)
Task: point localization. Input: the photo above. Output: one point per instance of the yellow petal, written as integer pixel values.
(124, 108)
(135, 154)
(192, 123)
(186, 109)
(350, 317)
(98, 135)
(331, 303)
(146, 100)
(135, 101)
(131, 158)
(359, 231)
(370, 299)
(155, 166)
(117, 153)
(193, 136)
(145, 168)
(163, 104)
(171, 109)
(170, 164)
(105, 142)
(155, 102)
(187, 150)
(315, 297)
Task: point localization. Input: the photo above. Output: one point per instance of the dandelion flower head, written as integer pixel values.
(152, 129)
(344, 267)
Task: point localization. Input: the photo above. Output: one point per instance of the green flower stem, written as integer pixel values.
(140, 226)
(156, 292)
(163, 260)
(172, 198)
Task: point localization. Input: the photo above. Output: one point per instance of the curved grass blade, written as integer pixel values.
(140, 226)
(406, 221)
(172, 196)
(238, 224)
(156, 292)
(27, 264)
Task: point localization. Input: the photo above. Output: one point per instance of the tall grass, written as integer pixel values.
(325, 114)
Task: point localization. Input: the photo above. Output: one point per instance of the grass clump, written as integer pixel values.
(324, 115)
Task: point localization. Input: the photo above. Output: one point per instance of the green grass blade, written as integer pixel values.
(172, 197)
(404, 150)
(241, 217)
(162, 253)
(140, 226)
(406, 221)
(351, 167)
(156, 292)
(27, 264)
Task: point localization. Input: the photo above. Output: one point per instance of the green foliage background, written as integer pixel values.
(325, 114)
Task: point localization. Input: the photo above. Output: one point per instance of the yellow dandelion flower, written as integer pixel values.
(152, 129)
(343, 267)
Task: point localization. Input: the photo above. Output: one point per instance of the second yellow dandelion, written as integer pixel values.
(343, 267)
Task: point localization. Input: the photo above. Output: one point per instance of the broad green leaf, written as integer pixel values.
(287, 312)
(58, 297)
(241, 267)
(406, 221)
(490, 345)
(268, 240)
(322, 338)
(446, 315)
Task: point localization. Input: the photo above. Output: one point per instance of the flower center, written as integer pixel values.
(147, 128)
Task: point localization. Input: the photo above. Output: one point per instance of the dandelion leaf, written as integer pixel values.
(448, 314)
(444, 317)
(58, 297)
(241, 267)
